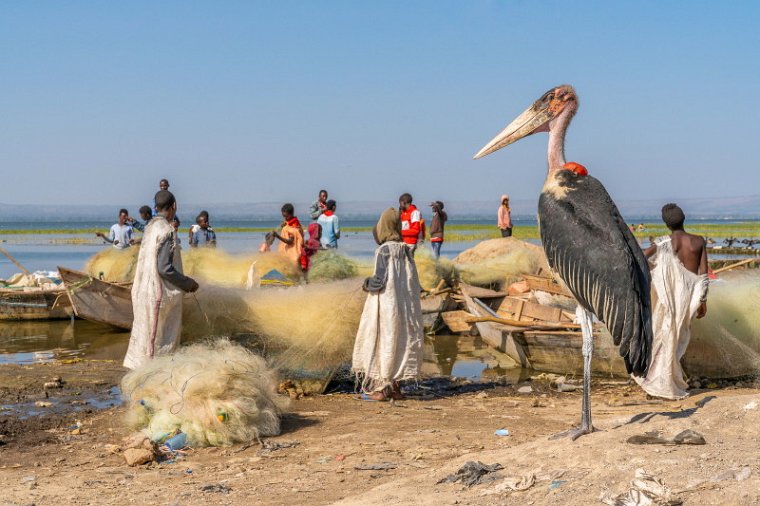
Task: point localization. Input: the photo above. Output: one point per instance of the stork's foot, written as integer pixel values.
(574, 433)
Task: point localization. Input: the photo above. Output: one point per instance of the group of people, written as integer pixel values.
(388, 346)
(324, 230)
(122, 233)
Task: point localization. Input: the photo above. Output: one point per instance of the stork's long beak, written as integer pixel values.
(529, 122)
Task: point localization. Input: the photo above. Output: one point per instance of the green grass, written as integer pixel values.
(464, 232)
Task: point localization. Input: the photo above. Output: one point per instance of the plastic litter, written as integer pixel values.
(502, 432)
(177, 442)
(646, 489)
(555, 484)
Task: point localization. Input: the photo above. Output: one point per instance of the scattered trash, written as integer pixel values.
(273, 446)
(646, 489)
(502, 432)
(217, 488)
(522, 483)
(750, 405)
(525, 390)
(43, 404)
(383, 466)
(734, 474)
(472, 473)
(30, 481)
(555, 484)
(687, 437)
(176, 442)
(561, 384)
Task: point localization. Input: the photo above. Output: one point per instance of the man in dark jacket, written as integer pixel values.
(437, 226)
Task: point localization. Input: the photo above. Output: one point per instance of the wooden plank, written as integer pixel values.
(519, 309)
(496, 335)
(546, 285)
(480, 293)
(456, 321)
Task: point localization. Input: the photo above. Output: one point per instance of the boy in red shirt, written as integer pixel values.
(410, 221)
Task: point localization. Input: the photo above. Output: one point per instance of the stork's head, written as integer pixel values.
(555, 107)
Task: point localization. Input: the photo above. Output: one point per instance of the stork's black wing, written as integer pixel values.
(589, 245)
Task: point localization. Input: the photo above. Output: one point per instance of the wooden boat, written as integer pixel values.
(538, 336)
(98, 301)
(34, 304)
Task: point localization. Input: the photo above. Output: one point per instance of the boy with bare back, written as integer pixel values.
(679, 294)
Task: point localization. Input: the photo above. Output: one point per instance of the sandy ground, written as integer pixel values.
(327, 439)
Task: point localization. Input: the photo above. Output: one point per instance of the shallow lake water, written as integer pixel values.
(46, 341)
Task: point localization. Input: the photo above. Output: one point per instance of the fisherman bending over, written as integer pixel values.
(679, 293)
(158, 288)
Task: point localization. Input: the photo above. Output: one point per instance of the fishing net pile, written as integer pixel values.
(217, 394)
(432, 271)
(327, 265)
(214, 265)
(496, 263)
(216, 311)
(309, 326)
(113, 265)
(726, 342)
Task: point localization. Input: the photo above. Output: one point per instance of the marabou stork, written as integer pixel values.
(587, 243)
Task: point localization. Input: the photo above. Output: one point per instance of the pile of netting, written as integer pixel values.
(309, 326)
(113, 265)
(328, 265)
(496, 263)
(210, 265)
(726, 342)
(217, 394)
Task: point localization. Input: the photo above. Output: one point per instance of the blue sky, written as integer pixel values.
(269, 101)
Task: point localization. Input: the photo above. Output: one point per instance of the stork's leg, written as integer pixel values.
(586, 321)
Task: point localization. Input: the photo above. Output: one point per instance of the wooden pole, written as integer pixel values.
(527, 325)
(734, 266)
(15, 262)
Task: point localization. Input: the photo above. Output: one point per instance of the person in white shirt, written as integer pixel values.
(121, 234)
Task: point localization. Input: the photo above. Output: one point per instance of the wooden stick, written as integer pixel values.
(15, 262)
(733, 266)
(527, 325)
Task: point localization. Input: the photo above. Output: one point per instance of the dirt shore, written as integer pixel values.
(337, 449)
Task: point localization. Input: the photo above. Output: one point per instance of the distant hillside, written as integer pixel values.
(747, 207)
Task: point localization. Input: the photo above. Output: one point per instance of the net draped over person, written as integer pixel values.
(389, 341)
(676, 296)
(156, 301)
